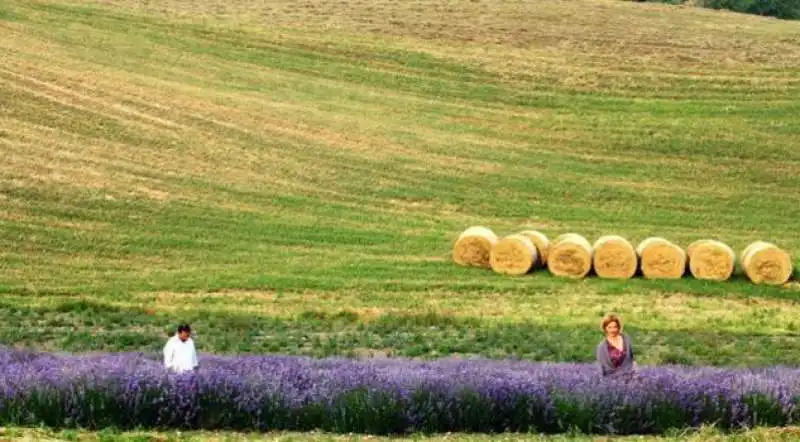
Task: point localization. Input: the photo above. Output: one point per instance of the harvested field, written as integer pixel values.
(291, 177)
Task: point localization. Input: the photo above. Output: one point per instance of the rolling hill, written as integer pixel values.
(290, 176)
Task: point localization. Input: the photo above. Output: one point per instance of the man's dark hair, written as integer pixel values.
(184, 328)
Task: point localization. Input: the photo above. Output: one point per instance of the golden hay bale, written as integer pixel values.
(562, 237)
(766, 263)
(614, 258)
(693, 245)
(542, 245)
(747, 249)
(474, 246)
(711, 260)
(661, 259)
(570, 256)
(513, 255)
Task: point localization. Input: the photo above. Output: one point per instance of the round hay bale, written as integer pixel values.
(570, 256)
(747, 249)
(693, 245)
(564, 236)
(661, 259)
(474, 246)
(513, 255)
(614, 258)
(711, 260)
(766, 263)
(542, 245)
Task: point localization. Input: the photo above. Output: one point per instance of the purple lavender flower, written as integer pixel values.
(129, 390)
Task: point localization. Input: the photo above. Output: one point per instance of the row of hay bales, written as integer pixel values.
(613, 257)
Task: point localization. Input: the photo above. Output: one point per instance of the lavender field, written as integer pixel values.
(384, 396)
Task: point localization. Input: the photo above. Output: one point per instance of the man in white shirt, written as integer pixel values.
(179, 353)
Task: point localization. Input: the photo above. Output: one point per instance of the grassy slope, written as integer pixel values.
(292, 190)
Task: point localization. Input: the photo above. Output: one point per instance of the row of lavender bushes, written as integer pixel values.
(384, 396)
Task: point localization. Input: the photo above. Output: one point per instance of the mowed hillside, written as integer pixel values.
(290, 176)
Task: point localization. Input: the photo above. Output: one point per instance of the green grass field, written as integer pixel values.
(289, 176)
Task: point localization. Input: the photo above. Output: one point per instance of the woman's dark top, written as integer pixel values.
(617, 355)
(613, 361)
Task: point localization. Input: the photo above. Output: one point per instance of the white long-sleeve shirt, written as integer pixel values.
(179, 355)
